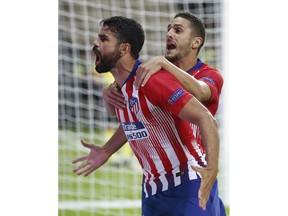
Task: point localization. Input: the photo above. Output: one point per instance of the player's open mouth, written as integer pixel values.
(97, 54)
(98, 58)
(170, 46)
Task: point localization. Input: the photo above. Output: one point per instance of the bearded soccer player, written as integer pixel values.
(178, 179)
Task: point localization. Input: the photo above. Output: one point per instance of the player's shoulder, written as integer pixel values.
(210, 75)
(207, 68)
(159, 81)
(160, 76)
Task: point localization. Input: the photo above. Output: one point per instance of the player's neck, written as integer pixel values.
(122, 70)
(187, 62)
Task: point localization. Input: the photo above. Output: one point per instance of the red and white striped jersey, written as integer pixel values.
(214, 80)
(163, 143)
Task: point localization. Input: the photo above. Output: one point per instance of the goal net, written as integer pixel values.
(115, 188)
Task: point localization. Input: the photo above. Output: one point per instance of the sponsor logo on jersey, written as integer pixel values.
(135, 130)
(175, 96)
(129, 126)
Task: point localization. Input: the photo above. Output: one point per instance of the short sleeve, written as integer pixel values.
(163, 89)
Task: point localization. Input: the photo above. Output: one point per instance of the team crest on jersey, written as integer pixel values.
(134, 105)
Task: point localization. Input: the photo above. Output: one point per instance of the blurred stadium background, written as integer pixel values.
(115, 188)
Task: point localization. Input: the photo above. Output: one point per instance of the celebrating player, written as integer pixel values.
(179, 174)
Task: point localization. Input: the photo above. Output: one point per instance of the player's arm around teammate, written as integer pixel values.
(196, 87)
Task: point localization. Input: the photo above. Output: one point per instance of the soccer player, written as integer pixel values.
(178, 178)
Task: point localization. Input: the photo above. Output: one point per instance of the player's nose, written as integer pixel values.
(169, 34)
(96, 42)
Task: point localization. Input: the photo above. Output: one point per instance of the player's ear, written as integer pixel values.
(124, 49)
(196, 42)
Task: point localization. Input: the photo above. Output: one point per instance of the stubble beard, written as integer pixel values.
(178, 56)
(173, 59)
(107, 62)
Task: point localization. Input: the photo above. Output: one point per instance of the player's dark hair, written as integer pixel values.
(127, 31)
(196, 24)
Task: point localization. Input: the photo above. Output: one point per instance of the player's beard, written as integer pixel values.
(179, 55)
(107, 61)
(173, 58)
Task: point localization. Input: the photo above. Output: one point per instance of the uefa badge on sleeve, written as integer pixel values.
(175, 96)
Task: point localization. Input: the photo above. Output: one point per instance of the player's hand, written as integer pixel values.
(113, 95)
(96, 158)
(146, 70)
(208, 178)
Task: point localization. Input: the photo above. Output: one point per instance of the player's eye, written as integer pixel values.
(103, 38)
(178, 30)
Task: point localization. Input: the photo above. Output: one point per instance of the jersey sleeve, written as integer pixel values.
(215, 81)
(163, 89)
